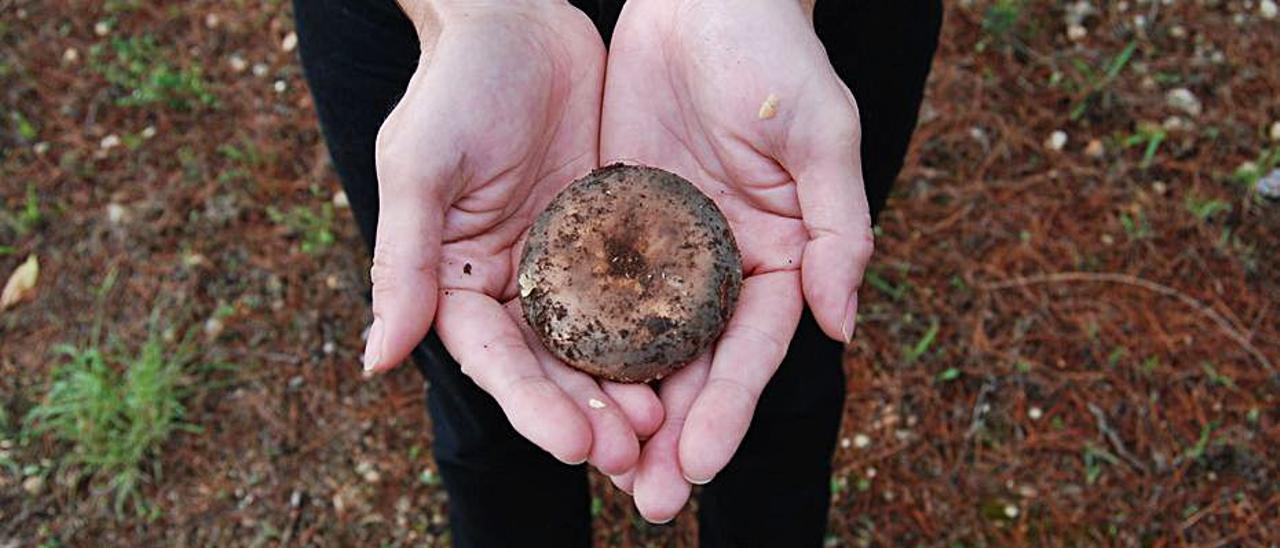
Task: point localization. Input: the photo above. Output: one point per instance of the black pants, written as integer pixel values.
(503, 491)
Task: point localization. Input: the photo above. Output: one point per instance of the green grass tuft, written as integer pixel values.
(115, 412)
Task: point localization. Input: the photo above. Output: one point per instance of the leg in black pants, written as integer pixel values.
(359, 55)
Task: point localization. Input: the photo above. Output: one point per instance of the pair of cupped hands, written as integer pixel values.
(513, 100)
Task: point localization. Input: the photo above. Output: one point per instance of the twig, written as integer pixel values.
(1127, 279)
(1115, 440)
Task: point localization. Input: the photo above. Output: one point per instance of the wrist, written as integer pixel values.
(430, 16)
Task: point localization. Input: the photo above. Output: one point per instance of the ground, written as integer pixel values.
(1069, 332)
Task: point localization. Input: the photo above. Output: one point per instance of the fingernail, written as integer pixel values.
(699, 482)
(373, 347)
(584, 459)
(850, 319)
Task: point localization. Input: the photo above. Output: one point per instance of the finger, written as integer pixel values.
(479, 334)
(614, 444)
(640, 405)
(833, 203)
(660, 489)
(625, 481)
(746, 357)
(406, 260)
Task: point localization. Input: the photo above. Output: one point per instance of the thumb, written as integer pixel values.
(833, 204)
(406, 260)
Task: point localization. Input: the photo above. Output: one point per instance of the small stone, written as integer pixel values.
(332, 282)
(596, 404)
(1056, 140)
(1076, 33)
(1178, 31)
(367, 471)
(1035, 413)
(296, 382)
(871, 472)
(845, 443)
(1267, 9)
(109, 142)
(1176, 124)
(328, 348)
(1095, 149)
(1010, 511)
(280, 86)
(102, 28)
(340, 200)
(212, 20)
(116, 213)
(1269, 186)
(290, 42)
(238, 64)
(70, 55)
(1275, 131)
(148, 132)
(295, 499)
(213, 327)
(33, 485)
(40, 148)
(861, 441)
(1182, 99)
(1159, 187)
(260, 69)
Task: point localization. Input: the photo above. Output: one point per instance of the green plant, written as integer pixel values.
(1136, 225)
(1001, 18)
(314, 229)
(1093, 84)
(874, 279)
(1205, 208)
(29, 217)
(1151, 135)
(115, 411)
(921, 347)
(138, 66)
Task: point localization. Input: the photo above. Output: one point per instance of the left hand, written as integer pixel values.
(686, 90)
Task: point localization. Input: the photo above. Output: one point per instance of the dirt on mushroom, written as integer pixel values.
(630, 273)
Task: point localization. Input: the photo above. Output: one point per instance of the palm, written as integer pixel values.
(685, 90)
(501, 114)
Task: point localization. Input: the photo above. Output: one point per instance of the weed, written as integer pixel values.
(115, 411)
(1205, 208)
(922, 346)
(1196, 451)
(1094, 83)
(1215, 377)
(1094, 457)
(138, 66)
(29, 217)
(24, 127)
(894, 292)
(314, 230)
(1136, 226)
(1150, 135)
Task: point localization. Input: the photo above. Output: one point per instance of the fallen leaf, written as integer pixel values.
(21, 284)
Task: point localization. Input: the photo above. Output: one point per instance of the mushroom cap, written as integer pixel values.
(630, 273)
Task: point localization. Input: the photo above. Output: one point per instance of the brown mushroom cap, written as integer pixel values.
(630, 273)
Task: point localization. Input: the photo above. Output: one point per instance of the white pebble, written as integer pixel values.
(238, 64)
(861, 441)
(212, 20)
(1056, 140)
(1267, 8)
(290, 42)
(116, 213)
(1178, 31)
(1275, 131)
(1095, 149)
(70, 55)
(1075, 33)
(871, 472)
(769, 108)
(1035, 413)
(1182, 99)
(845, 443)
(340, 200)
(40, 148)
(148, 132)
(1010, 511)
(596, 404)
(102, 28)
(109, 142)
(260, 69)
(280, 86)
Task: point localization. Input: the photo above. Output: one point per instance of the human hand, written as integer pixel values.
(501, 114)
(739, 97)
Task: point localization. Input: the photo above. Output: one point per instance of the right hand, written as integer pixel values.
(502, 113)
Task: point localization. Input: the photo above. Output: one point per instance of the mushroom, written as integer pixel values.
(629, 274)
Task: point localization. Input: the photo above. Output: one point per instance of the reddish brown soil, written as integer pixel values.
(1081, 408)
